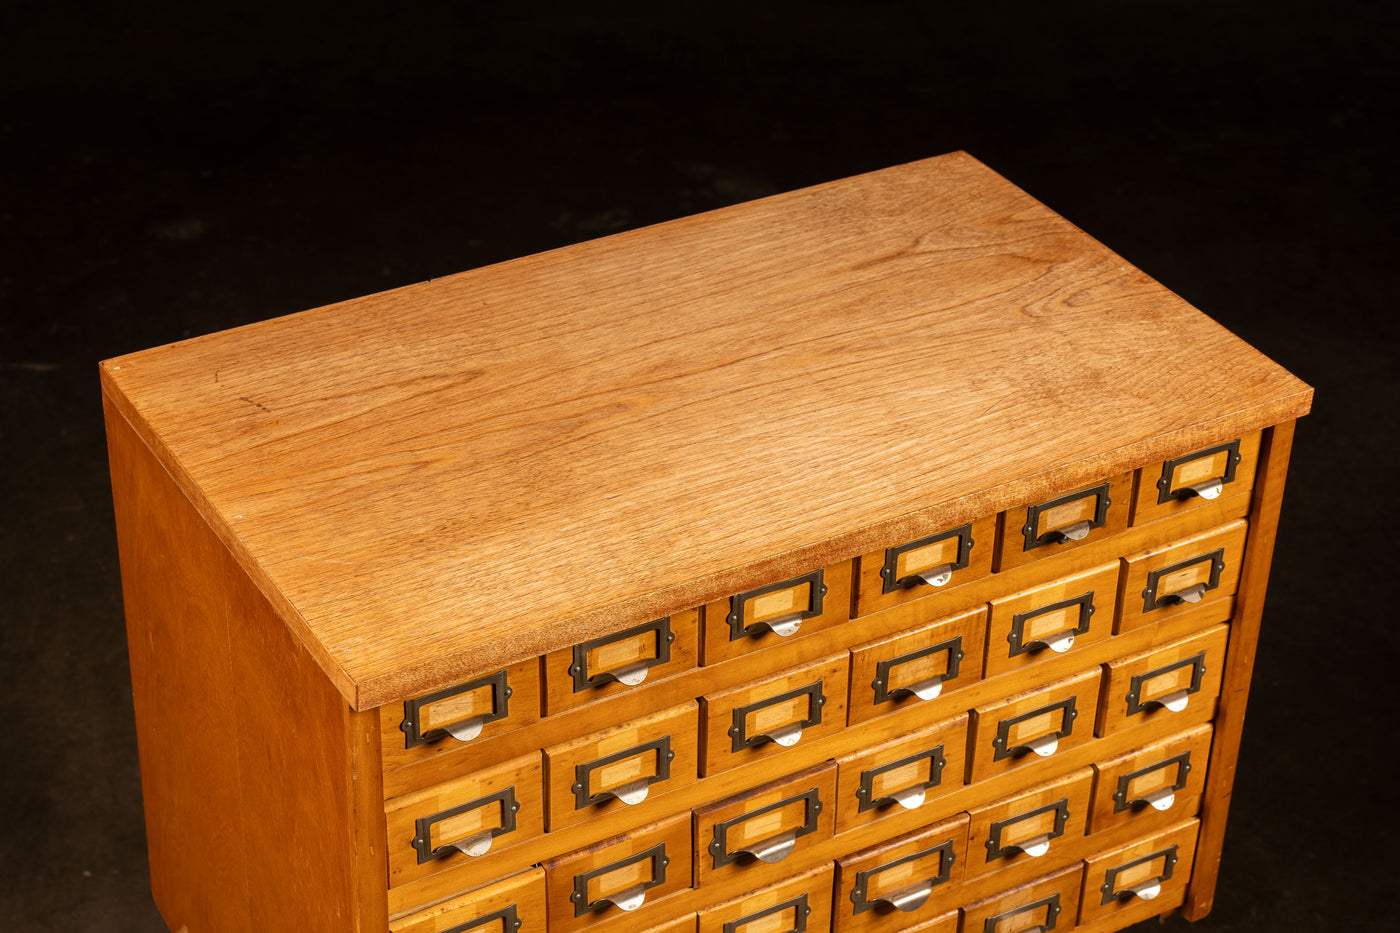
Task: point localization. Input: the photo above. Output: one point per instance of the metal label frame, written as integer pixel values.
(656, 855)
(578, 670)
(740, 739)
(1198, 664)
(1150, 599)
(1004, 727)
(801, 911)
(892, 555)
(735, 619)
(584, 772)
(996, 850)
(1033, 541)
(719, 846)
(423, 826)
(881, 683)
(1052, 913)
(1107, 888)
(1165, 493)
(1018, 622)
(946, 858)
(866, 791)
(510, 921)
(1183, 768)
(413, 709)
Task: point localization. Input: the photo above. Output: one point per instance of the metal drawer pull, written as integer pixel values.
(772, 850)
(633, 792)
(935, 576)
(475, 845)
(1210, 489)
(1076, 532)
(1163, 797)
(782, 626)
(785, 735)
(907, 899)
(1160, 800)
(800, 912)
(926, 689)
(912, 896)
(466, 729)
(931, 576)
(775, 848)
(785, 625)
(1036, 846)
(1044, 746)
(629, 674)
(1146, 889)
(910, 798)
(628, 899)
(1176, 700)
(1192, 594)
(1059, 643)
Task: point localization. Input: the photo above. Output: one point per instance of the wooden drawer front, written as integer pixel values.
(621, 766)
(925, 566)
(903, 882)
(613, 664)
(1182, 483)
(472, 711)
(1033, 725)
(1176, 681)
(908, 774)
(799, 905)
(1051, 620)
(1022, 829)
(1169, 581)
(623, 877)
(1047, 903)
(916, 667)
(1064, 522)
(1154, 785)
(772, 614)
(761, 719)
(470, 819)
(747, 833)
(513, 905)
(1142, 879)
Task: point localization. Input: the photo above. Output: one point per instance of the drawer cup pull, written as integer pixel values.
(1076, 530)
(1057, 642)
(475, 845)
(1189, 594)
(1160, 799)
(783, 626)
(1034, 847)
(1206, 489)
(785, 735)
(1146, 889)
(936, 576)
(910, 897)
(1042, 746)
(939, 575)
(926, 689)
(628, 899)
(909, 798)
(1176, 700)
(464, 730)
(631, 673)
(775, 848)
(1210, 489)
(633, 792)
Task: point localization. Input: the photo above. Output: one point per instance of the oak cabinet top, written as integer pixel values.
(436, 480)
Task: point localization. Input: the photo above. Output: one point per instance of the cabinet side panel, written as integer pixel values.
(253, 756)
(1239, 667)
(181, 679)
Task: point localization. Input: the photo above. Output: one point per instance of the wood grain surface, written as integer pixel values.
(446, 478)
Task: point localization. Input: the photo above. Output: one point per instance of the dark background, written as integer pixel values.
(176, 169)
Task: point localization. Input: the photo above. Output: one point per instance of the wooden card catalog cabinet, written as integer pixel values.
(886, 553)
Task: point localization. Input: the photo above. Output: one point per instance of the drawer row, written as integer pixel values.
(1006, 634)
(1130, 822)
(477, 816)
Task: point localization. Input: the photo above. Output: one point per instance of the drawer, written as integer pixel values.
(1020, 830)
(760, 719)
(1179, 681)
(1063, 522)
(621, 662)
(470, 819)
(903, 882)
(621, 882)
(771, 614)
(917, 666)
(747, 835)
(923, 567)
(621, 766)
(801, 903)
(1142, 879)
(472, 711)
(513, 905)
(1048, 903)
(1034, 725)
(1152, 785)
(908, 774)
(1165, 582)
(1050, 620)
(1182, 483)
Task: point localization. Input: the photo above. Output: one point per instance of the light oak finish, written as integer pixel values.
(1157, 865)
(1196, 467)
(622, 765)
(903, 882)
(1030, 905)
(775, 908)
(1067, 520)
(1029, 829)
(917, 666)
(405, 570)
(911, 773)
(618, 652)
(1153, 785)
(518, 898)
